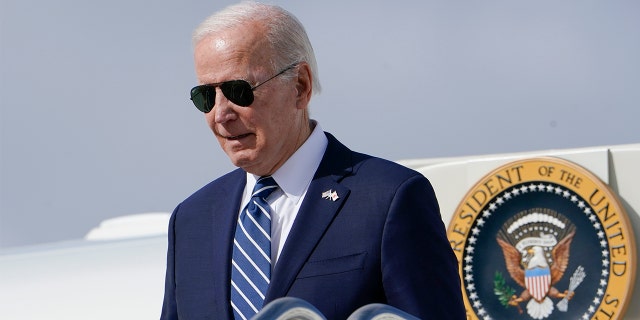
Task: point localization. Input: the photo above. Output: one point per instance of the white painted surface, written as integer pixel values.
(84, 280)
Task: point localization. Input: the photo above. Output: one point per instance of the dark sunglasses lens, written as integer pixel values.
(203, 97)
(238, 92)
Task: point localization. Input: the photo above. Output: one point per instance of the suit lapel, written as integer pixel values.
(314, 217)
(224, 225)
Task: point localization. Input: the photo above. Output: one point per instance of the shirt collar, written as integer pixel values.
(295, 175)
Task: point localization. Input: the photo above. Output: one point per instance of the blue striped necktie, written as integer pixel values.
(251, 263)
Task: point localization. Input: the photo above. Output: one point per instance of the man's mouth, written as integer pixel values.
(239, 136)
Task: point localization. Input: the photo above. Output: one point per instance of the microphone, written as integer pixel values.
(290, 308)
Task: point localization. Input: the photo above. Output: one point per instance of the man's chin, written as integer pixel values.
(241, 159)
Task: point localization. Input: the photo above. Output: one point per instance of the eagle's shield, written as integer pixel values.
(538, 281)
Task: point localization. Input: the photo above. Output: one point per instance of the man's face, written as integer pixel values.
(261, 137)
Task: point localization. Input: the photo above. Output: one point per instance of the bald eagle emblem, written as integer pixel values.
(536, 245)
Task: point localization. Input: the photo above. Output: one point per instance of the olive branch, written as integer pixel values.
(502, 290)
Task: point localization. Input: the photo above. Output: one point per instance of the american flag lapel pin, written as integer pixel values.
(330, 195)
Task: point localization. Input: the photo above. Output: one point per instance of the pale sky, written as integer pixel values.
(96, 121)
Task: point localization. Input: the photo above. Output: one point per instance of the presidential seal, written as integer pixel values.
(543, 238)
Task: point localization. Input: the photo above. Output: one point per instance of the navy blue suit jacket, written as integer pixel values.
(381, 241)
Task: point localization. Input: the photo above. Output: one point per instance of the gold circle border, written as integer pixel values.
(607, 208)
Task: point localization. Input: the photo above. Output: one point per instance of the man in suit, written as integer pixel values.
(346, 229)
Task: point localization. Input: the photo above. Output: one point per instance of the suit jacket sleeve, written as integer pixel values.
(419, 269)
(169, 308)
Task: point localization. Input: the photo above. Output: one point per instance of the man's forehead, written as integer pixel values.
(243, 39)
(221, 44)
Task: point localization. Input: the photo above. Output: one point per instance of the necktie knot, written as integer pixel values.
(264, 187)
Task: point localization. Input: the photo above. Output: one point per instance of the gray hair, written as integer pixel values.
(285, 33)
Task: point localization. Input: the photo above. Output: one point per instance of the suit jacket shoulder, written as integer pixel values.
(344, 163)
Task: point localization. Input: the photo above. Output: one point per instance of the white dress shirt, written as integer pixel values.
(293, 179)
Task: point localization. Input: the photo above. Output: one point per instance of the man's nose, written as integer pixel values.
(223, 109)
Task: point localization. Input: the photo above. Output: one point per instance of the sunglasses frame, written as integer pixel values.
(228, 89)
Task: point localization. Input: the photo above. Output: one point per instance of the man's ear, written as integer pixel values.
(304, 85)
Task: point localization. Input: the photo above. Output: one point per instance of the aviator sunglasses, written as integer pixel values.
(240, 92)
